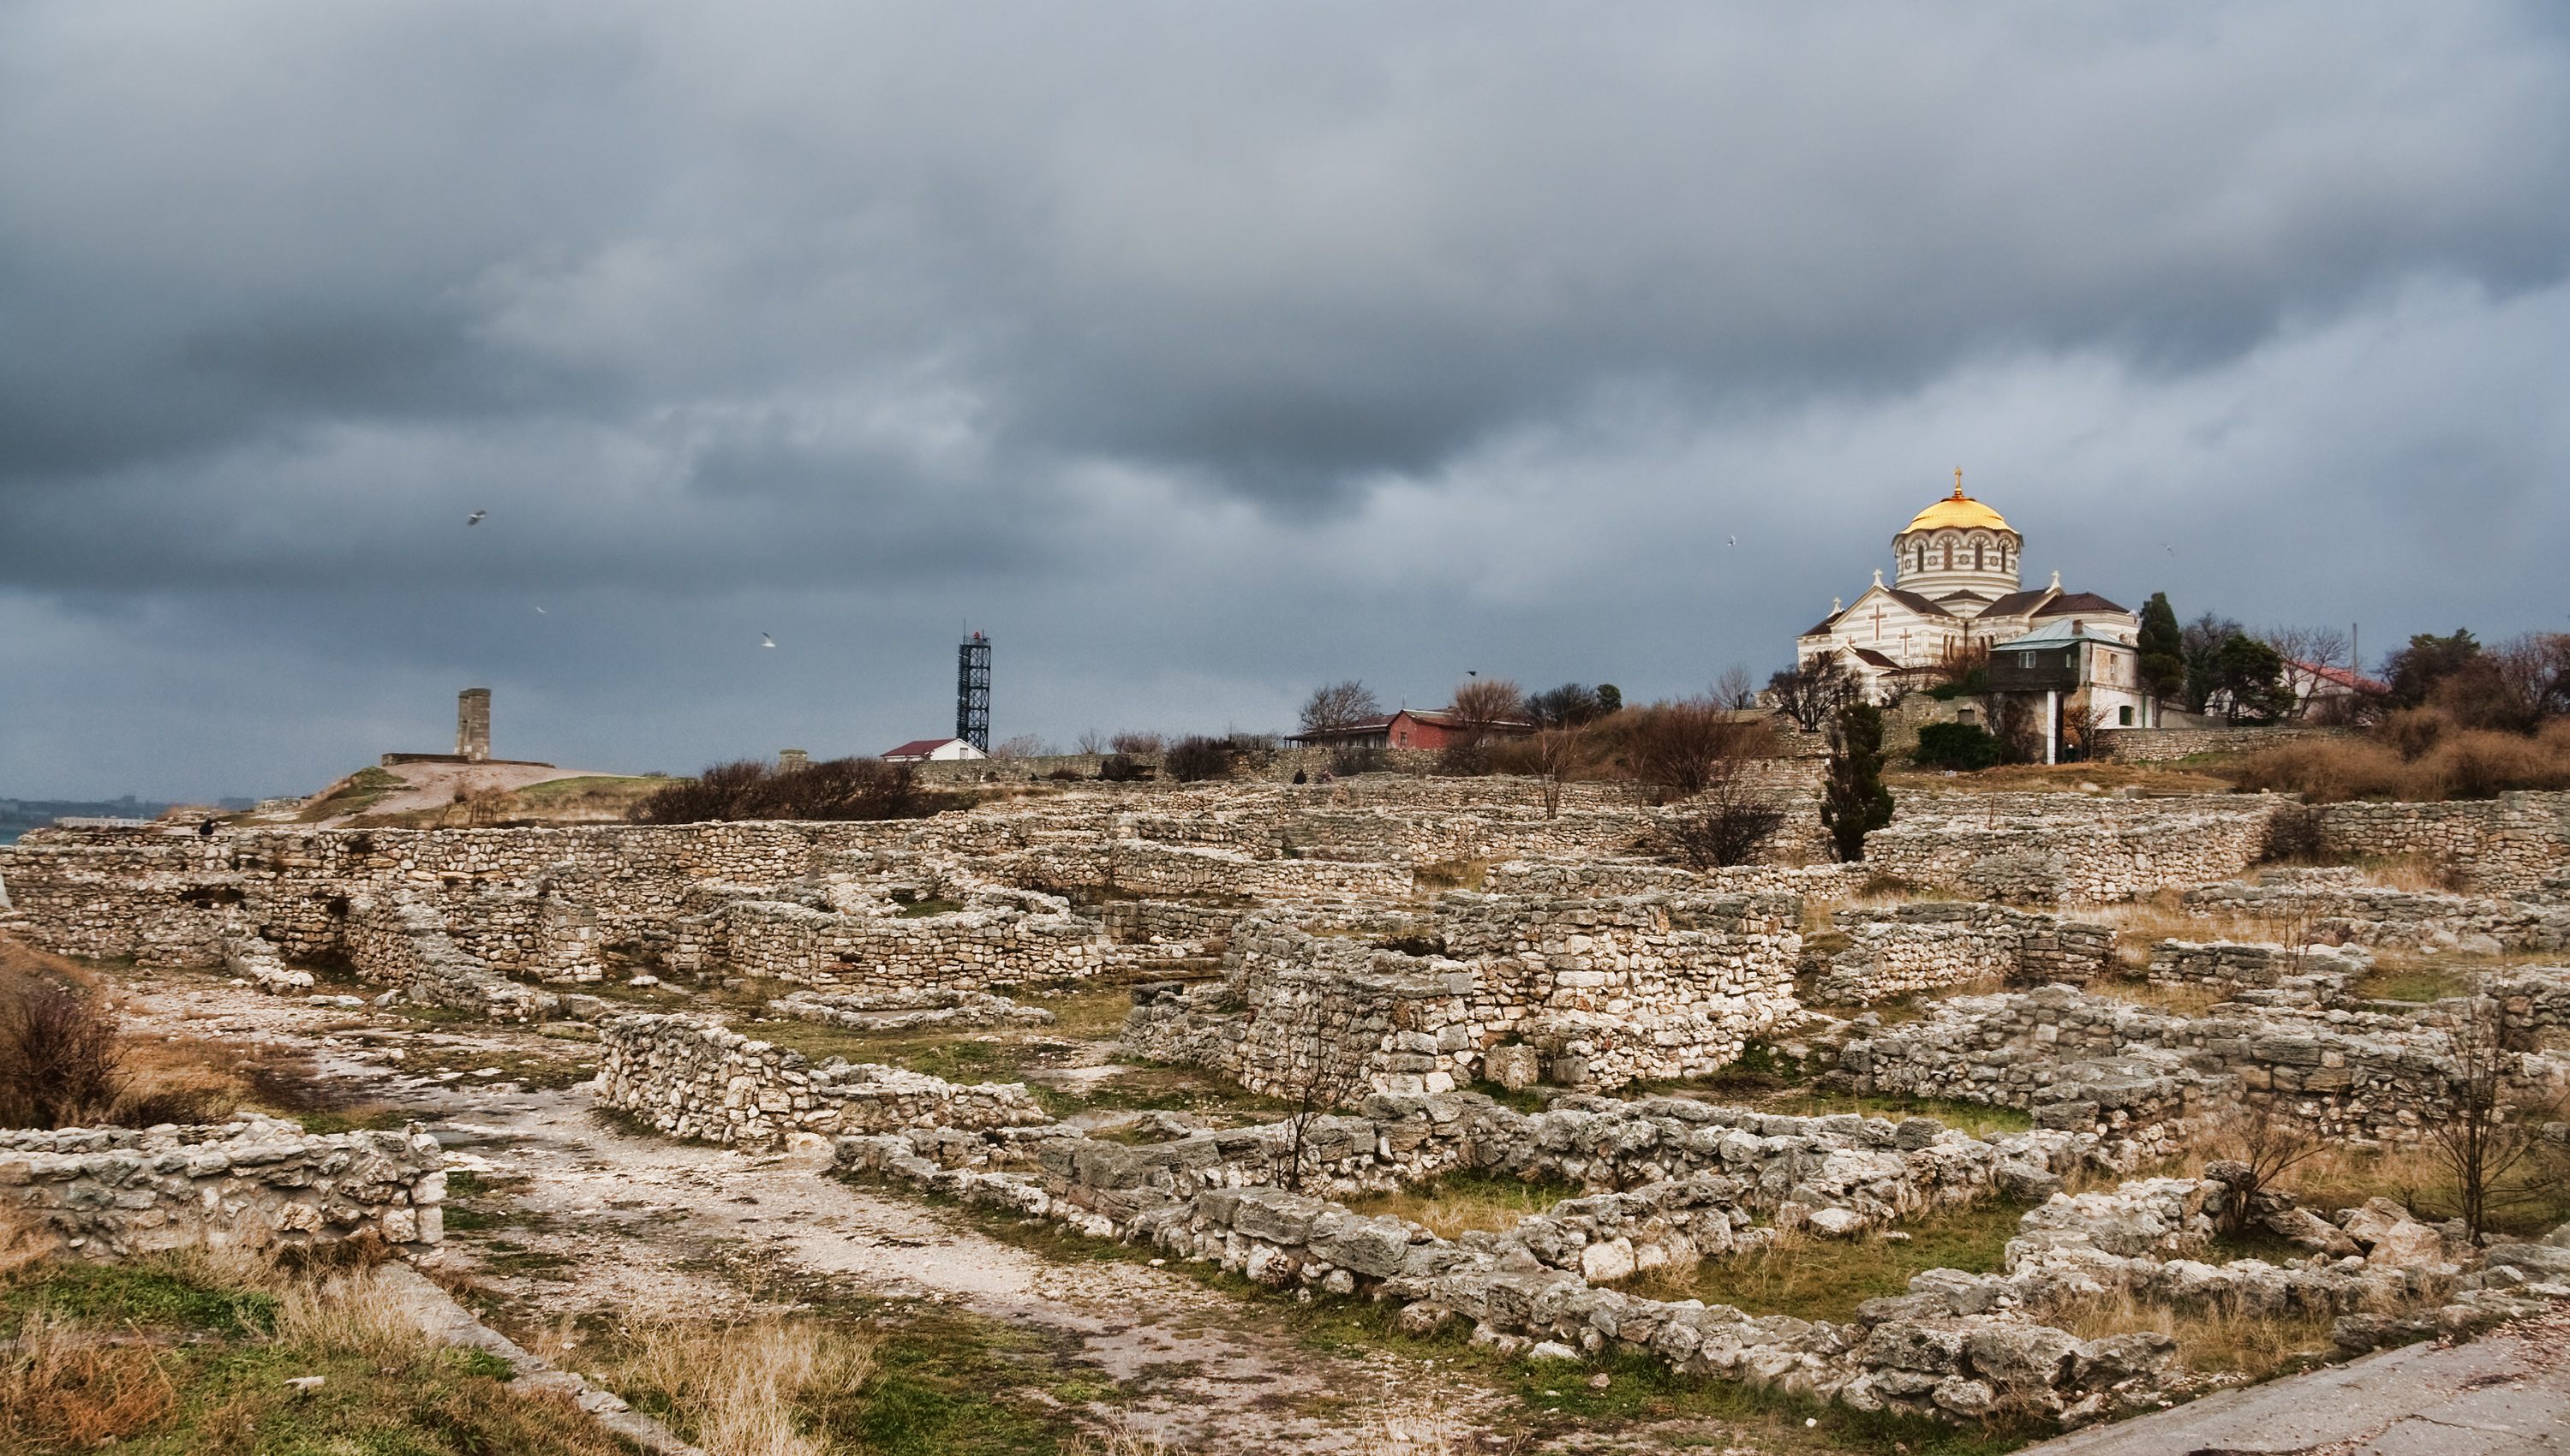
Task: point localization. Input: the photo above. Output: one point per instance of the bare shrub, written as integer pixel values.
(2261, 1143)
(2489, 1130)
(1198, 759)
(834, 788)
(1681, 749)
(2410, 732)
(1331, 1051)
(1142, 745)
(1025, 745)
(1349, 762)
(60, 1063)
(1725, 833)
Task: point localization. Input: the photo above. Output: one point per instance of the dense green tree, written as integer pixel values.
(1610, 698)
(2415, 670)
(2199, 642)
(1854, 801)
(2163, 649)
(2249, 676)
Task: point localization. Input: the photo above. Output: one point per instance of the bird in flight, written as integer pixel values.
(540, 611)
(2172, 550)
(765, 640)
(476, 518)
(1732, 539)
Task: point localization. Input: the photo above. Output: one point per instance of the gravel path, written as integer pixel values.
(631, 1221)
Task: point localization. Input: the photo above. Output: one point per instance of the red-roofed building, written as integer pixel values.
(1408, 728)
(932, 749)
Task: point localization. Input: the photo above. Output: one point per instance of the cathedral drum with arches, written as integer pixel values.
(1955, 601)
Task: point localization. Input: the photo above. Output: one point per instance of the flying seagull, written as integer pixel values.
(765, 640)
(476, 518)
(540, 611)
(1732, 539)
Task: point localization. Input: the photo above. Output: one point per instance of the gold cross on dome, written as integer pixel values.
(1958, 483)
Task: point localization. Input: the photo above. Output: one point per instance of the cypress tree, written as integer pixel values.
(1853, 802)
(2163, 649)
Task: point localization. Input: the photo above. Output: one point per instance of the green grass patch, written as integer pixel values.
(1465, 1201)
(1826, 1279)
(354, 795)
(2419, 984)
(151, 1295)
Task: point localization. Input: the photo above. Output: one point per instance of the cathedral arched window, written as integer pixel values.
(1919, 550)
(1976, 556)
(1945, 554)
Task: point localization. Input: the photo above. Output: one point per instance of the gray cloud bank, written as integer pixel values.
(1201, 352)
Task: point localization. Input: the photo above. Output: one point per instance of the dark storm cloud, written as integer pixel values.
(1190, 346)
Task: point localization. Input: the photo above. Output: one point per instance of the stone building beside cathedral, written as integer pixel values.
(1955, 599)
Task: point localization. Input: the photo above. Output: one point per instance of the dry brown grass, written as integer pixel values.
(2473, 764)
(2218, 1338)
(2139, 924)
(2178, 1001)
(748, 1389)
(1460, 1202)
(65, 1388)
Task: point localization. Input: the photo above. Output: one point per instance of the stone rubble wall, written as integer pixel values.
(1002, 939)
(1611, 990)
(907, 1010)
(2341, 907)
(2167, 745)
(1615, 879)
(690, 1076)
(256, 1183)
(2046, 849)
(1213, 1198)
(403, 944)
(2513, 844)
(1933, 945)
(2082, 1062)
(2232, 964)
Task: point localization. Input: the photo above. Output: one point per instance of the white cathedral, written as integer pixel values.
(1956, 594)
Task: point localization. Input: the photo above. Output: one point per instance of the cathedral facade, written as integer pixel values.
(1957, 600)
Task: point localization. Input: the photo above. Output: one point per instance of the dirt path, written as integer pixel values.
(625, 1223)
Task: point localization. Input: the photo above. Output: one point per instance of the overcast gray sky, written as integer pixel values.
(1203, 352)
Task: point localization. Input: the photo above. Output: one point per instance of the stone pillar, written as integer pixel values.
(788, 759)
(473, 724)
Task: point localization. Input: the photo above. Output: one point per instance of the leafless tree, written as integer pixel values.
(2307, 651)
(1735, 689)
(1336, 704)
(1330, 1050)
(1142, 745)
(1485, 703)
(2263, 1142)
(1679, 750)
(1092, 742)
(1814, 690)
(1025, 745)
(2080, 720)
(1557, 753)
(2489, 1127)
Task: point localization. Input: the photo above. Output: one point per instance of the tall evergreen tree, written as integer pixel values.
(1853, 802)
(2163, 648)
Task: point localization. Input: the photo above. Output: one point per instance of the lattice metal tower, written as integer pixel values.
(973, 692)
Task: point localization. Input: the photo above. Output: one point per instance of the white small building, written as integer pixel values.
(933, 750)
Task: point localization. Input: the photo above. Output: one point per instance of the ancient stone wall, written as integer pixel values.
(2342, 906)
(1610, 991)
(113, 1192)
(1933, 945)
(2166, 745)
(2233, 964)
(1002, 939)
(692, 1077)
(2512, 844)
(2061, 849)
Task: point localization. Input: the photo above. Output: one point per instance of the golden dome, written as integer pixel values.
(1958, 511)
